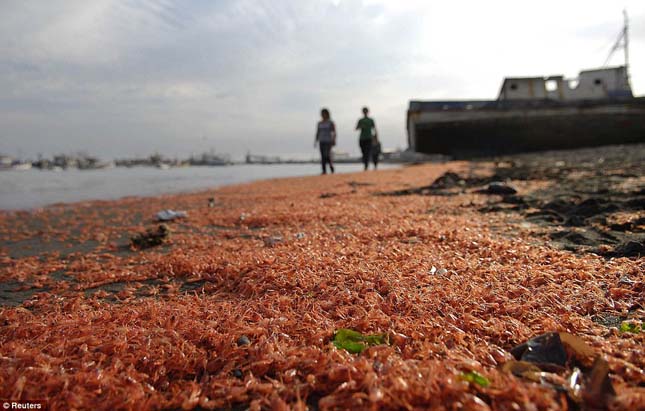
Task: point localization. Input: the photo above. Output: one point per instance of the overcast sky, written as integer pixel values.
(131, 77)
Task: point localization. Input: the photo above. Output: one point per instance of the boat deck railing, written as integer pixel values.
(452, 105)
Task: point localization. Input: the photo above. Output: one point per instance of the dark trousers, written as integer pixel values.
(376, 153)
(325, 157)
(366, 149)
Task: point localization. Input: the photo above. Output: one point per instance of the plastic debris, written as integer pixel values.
(553, 351)
(574, 385)
(211, 202)
(476, 378)
(543, 349)
(355, 342)
(300, 236)
(151, 238)
(169, 215)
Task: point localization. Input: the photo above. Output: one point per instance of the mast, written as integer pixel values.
(626, 44)
(622, 42)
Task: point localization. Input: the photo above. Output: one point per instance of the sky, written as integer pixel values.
(125, 78)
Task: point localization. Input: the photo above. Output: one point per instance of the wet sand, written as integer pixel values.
(457, 275)
(587, 200)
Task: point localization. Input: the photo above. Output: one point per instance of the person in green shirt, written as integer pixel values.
(367, 137)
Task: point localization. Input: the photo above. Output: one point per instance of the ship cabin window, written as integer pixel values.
(597, 81)
(551, 85)
(469, 106)
(573, 83)
(513, 86)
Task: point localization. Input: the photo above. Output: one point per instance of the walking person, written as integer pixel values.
(326, 139)
(376, 151)
(365, 141)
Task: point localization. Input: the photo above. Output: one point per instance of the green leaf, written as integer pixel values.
(349, 340)
(627, 327)
(355, 342)
(376, 339)
(476, 378)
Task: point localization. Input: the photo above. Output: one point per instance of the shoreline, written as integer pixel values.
(454, 275)
(31, 186)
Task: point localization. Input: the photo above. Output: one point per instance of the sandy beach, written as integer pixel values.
(239, 305)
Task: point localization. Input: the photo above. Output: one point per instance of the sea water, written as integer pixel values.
(34, 188)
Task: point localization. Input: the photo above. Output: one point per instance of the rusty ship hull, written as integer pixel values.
(467, 129)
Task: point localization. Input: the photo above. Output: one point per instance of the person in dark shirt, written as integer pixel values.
(367, 137)
(326, 139)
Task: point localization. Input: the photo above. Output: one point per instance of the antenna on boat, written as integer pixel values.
(621, 42)
(626, 38)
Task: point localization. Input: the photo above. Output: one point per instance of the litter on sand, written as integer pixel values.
(169, 215)
(151, 238)
(568, 364)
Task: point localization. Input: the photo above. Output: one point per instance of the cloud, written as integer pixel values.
(118, 77)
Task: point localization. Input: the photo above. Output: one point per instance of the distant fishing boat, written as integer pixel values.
(261, 159)
(210, 159)
(534, 113)
(22, 166)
